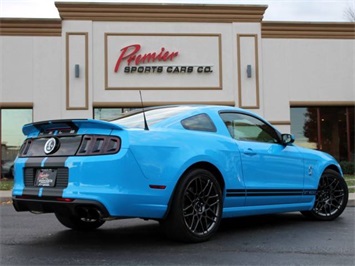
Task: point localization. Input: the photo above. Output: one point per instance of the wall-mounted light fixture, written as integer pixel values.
(77, 71)
(249, 71)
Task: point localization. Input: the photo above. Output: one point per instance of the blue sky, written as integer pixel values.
(279, 10)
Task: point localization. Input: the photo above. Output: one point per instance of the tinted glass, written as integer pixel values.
(248, 128)
(153, 116)
(333, 131)
(201, 122)
(304, 124)
(330, 129)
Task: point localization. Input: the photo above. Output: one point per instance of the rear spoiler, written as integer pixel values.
(69, 126)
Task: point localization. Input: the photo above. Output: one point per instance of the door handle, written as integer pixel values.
(250, 152)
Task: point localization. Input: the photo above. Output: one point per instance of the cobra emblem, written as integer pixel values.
(50, 146)
(310, 170)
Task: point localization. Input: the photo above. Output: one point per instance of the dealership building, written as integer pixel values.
(94, 60)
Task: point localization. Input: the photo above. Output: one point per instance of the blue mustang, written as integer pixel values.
(185, 166)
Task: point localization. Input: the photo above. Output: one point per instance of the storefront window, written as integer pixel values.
(330, 129)
(109, 113)
(12, 137)
(350, 127)
(333, 131)
(304, 127)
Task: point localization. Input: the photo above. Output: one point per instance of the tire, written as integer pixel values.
(77, 223)
(196, 208)
(331, 198)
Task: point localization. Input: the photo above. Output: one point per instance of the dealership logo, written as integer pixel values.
(134, 60)
(130, 55)
(51, 146)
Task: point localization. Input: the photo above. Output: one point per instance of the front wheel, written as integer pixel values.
(78, 223)
(331, 198)
(196, 208)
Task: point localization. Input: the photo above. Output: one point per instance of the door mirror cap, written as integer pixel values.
(287, 139)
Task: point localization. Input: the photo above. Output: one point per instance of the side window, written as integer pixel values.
(248, 128)
(201, 122)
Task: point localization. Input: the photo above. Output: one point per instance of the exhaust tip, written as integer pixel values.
(89, 213)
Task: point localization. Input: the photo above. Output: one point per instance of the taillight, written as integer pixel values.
(99, 145)
(25, 147)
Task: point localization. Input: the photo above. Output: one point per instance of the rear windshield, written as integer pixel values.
(135, 118)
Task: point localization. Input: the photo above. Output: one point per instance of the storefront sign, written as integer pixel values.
(163, 61)
(130, 55)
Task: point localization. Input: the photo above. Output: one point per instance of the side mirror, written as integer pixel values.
(287, 139)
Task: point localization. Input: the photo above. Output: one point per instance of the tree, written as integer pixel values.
(310, 127)
(350, 13)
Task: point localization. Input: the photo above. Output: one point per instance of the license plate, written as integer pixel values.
(45, 177)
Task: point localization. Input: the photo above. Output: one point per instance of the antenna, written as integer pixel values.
(145, 119)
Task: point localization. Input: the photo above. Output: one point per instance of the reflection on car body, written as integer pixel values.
(188, 167)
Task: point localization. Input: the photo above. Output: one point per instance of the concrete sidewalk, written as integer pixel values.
(5, 196)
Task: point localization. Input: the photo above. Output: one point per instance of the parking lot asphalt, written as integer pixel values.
(5, 196)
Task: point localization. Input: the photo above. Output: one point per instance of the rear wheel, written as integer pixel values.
(196, 209)
(331, 198)
(78, 223)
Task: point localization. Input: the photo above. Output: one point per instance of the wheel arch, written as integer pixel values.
(334, 168)
(209, 167)
(322, 168)
(198, 165)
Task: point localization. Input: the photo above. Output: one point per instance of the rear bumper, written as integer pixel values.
(114, 184)
(76, 207)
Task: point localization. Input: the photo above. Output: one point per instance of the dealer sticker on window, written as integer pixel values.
(45, 177)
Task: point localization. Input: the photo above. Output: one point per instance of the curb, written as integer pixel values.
(5, 200)
(6, 197)
(351, 202)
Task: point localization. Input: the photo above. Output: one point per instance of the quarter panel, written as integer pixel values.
(164, 156)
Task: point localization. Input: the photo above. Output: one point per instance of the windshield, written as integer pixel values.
(136, 119)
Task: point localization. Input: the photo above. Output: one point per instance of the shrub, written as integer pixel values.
(348, 167)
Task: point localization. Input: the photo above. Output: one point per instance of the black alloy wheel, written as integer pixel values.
(331, 198)
(196, 210)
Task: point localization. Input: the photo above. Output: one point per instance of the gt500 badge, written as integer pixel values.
(51, 146)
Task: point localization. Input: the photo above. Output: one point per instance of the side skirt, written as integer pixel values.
(265, 209)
